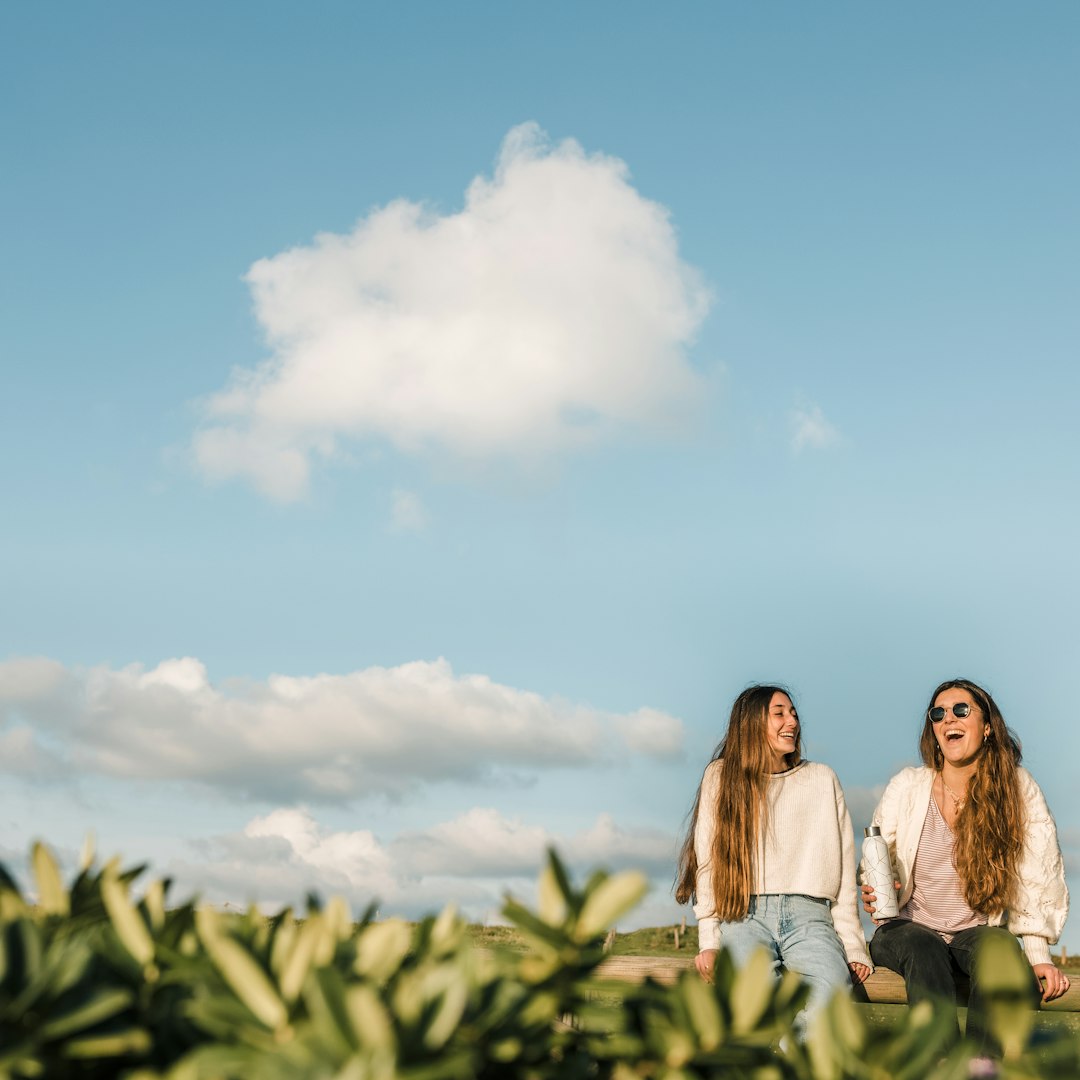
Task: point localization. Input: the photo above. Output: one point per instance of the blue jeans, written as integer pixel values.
(798, 934)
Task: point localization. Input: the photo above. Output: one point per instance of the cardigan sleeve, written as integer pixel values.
(1041, 904)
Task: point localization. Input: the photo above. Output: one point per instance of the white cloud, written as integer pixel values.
(652, 733)
(407, 513)
(861, 803)
(470, 860)
(378, 731)
(551, 311)
(810, 430)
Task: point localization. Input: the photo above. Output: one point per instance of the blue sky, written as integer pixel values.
(418, 422)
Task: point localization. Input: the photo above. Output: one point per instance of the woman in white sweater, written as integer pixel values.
(976, 854)
(769, 859)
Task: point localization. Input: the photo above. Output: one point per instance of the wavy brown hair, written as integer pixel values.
(990, 825)
(741, 809)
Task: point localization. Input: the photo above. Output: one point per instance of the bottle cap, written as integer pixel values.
(872, 830)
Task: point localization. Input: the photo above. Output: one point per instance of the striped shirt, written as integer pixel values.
(937, 900)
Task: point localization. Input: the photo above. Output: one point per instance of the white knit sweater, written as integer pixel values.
(808, 849)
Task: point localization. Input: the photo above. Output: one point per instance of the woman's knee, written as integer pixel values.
(908, 947)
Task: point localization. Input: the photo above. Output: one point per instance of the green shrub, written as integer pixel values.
(94, 983)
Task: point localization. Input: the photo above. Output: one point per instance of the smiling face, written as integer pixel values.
(781, 730)
(960, 738)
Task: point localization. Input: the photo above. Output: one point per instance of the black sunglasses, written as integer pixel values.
(959, 710)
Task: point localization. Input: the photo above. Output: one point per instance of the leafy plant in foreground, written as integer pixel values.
(95, 983)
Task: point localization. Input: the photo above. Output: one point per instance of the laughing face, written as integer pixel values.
(961, 738)
(781, 730)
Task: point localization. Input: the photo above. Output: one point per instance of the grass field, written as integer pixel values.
(651, 941)
(660, 941)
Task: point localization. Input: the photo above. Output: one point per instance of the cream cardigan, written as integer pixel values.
(1042, 898)
(809, 849)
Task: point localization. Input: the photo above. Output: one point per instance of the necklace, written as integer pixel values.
(958, 800)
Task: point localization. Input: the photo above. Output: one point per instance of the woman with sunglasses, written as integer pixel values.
(769, 857)
(975, 851)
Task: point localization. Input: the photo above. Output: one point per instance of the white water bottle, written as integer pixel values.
(878, 873)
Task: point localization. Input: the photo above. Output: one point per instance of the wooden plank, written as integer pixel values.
(884, 987)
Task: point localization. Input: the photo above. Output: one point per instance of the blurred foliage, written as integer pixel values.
(96, 982)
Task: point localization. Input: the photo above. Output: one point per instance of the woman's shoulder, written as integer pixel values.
(1029, 786)
(816, 770)
(812, 776)
(910, 778)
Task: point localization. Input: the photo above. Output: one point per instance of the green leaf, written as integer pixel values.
(323, 938)
(448, 1014)
(298, 963)
(154, 903)
(86, 855)
(284, 938)
(338, 918)
(447, 931)
(552, 900)
(126, 921)
(369, 1018)
(703, 1011)
(115, 1044)
(102, 1006)
(752, 992)
(1000, 968)
(1004, 977)
(52, 896)
(609, 901)
(544, 934)
(381, 948)
(240, 970)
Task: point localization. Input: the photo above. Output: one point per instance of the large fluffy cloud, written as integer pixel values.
(379, 731)
(470, 860)
(553, 309)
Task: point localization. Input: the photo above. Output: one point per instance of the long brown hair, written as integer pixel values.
(741, 809)
(989, 827)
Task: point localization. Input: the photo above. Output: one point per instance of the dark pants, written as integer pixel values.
(929, 967)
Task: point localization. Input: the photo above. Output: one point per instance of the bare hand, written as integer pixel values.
(705, 962)
(869, 900)
(1055, 980)
(859, 973)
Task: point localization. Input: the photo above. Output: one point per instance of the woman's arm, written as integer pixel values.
(704, 834)
(1041, 904)
(845, 908)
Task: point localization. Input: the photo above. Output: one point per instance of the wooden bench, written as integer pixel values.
(884, 987)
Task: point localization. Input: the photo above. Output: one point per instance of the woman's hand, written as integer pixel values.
(1055, 980)
(705, 962)
(869, 900)
(859, 973)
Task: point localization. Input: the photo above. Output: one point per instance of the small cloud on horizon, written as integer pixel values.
(470, 861)
(407, 512)
(810, 430)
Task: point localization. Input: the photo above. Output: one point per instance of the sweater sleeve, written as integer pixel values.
(704, 834)
(1038, 912)
(845, 910)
